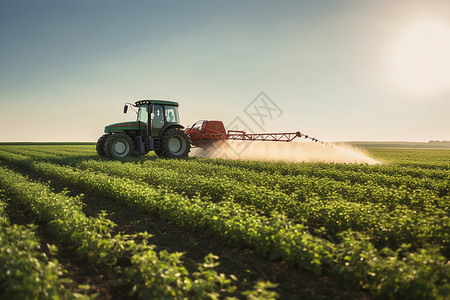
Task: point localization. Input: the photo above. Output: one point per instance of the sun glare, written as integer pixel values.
(421, 59)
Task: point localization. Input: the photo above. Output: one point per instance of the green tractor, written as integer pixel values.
(157, 129)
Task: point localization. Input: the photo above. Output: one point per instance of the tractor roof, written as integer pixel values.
(161, 102)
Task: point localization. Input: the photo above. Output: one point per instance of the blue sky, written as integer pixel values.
(67, 67)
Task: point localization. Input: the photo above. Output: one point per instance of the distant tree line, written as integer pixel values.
(439, 142)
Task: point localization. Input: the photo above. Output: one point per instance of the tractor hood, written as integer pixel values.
(121, 127)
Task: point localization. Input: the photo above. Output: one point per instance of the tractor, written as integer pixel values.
(157, 128)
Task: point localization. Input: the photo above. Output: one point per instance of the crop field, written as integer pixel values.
(75, 225)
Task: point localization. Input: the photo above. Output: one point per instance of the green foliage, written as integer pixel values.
(388, 273)
(158, 275)
(172, 281)
(262, 291)
(26, 272)
(336, 205)
(385, 228)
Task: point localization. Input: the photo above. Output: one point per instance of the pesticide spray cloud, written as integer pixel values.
(292, 151)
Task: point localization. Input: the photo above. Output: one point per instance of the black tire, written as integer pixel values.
(118, 146)
(100, 147)
(174, 144)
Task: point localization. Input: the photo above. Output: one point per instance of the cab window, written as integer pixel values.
(143, 114)
(143, 120)
(157, 119)
(171, 114)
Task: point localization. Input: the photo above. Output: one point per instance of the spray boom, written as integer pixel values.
(203, 133)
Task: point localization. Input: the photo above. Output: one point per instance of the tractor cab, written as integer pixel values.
(157, 128)
(154, 116)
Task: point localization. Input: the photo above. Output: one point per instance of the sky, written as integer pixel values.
(347, 70)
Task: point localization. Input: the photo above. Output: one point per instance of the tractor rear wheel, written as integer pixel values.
(100, 147)
(118, 146)
(174, 144)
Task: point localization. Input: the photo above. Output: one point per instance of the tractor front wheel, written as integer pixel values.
(118, 146)
(174, 144)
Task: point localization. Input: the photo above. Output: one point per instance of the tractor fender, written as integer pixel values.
(122, 127)
(168, 126)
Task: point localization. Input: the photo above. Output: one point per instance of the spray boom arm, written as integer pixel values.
(204, 133)
(274, 137)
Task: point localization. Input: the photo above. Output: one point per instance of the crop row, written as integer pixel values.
(391, 184)
(153, 274)
(325, 182)
(318, 203)
(335, 171)
(356, 185)
(46, 153)
(415, 193)
(384, 272)
(25, 271)
(433, 159)
(390, 216)
(284, 168)
(390, 226)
